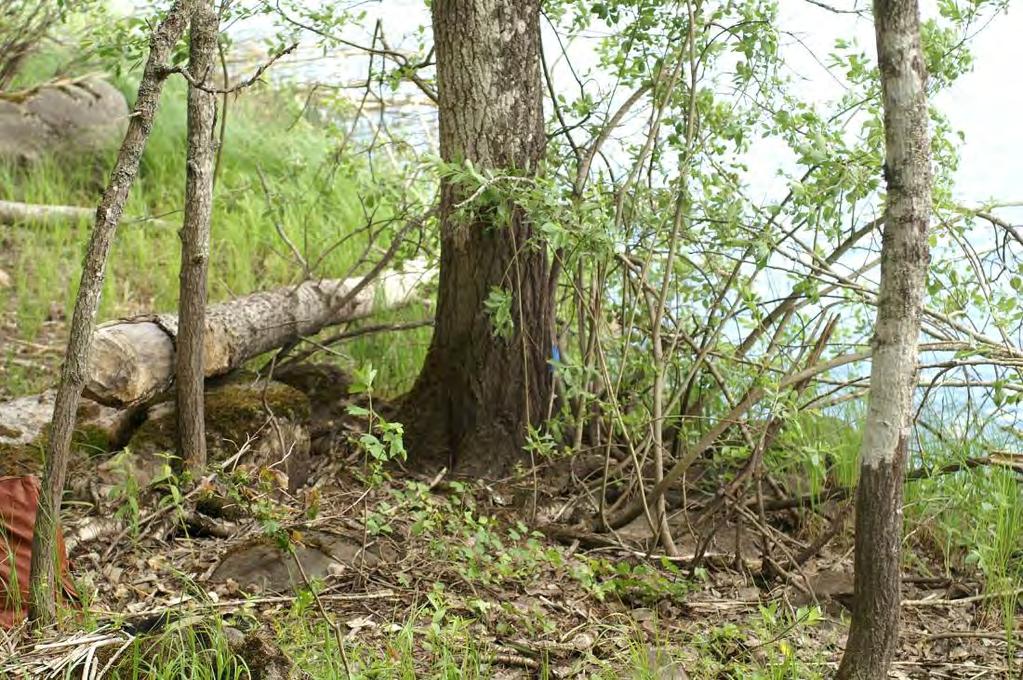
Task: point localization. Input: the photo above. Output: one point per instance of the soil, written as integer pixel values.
(184, 560)
(379, 545)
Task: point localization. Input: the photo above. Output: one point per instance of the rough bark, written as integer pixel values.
(873, 636)
(133, 360)
(42, 607)
(479, 388)
(195, 238)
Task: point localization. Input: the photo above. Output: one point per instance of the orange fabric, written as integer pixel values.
(19, 500)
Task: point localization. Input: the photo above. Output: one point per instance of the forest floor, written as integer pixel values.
(415, 577)
(443, 578)
(439, 577)
(405, 576)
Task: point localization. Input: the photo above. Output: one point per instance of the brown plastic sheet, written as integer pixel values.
(19, 500)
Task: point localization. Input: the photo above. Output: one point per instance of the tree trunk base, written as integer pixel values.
(490, 449)
(874, 634)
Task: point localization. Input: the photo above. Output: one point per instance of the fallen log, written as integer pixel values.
(12, 212)
(132, 360)
(39, 215)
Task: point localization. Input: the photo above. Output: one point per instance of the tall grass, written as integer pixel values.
(969, 521)
(313, 197)
(974, 519)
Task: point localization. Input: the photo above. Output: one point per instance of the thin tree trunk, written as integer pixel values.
(195, 239)
(482, 385)
(42, 607)
(873, 637)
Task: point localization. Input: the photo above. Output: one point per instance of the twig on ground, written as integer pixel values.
(936, 602)
(272, 599)
(517, 661)
(955, 634)
(152, 516)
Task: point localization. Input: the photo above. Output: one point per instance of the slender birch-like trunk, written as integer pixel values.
(195, 238)
(42, 606)
(874, 635)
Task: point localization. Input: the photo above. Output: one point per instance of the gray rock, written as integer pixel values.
(264, 564)
(69, 117)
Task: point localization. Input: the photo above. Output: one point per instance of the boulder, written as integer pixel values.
(264, 565)
(24, 423)
(80, 116)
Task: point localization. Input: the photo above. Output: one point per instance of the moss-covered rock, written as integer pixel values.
(267, 420)
(21, 459)
(24, 432)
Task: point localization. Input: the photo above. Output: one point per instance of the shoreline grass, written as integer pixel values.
(277, 174)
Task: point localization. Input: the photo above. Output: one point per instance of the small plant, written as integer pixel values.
(634, 583)
(127, 492)
(541, 444)
(383, 440)
(169, 485)
(761, 649)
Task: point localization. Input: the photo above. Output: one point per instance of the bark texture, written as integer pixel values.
(873, 637)
(133, 360)
(479, 389)
(195, 238)
(42, 607)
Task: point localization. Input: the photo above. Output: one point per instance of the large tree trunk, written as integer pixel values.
(195, 239)
(42, 606)
(873, 637)
(484, 383)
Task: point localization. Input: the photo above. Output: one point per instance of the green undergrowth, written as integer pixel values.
(471, 608)
(971, 521)
(278, 173)
(963, 524)
(816, 452)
